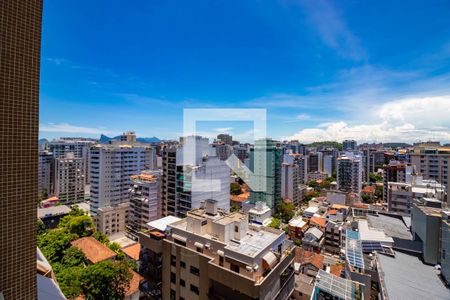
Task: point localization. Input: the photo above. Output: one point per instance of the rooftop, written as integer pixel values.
(161, 224)
(321, 222)
(297, 222)
(392, 226)
(370, 234)
(132, 251)
(303, 256)
(421, 282)
(253, 243)
(337, 286)
(53, 211)
(93, 249)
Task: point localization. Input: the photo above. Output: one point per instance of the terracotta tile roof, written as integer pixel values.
(336, 270)
(240, 198)
(134, 284)
(93, 249)
(321, 222)
(360, 205)
(132, 251)
(339, 206)
(370, 189)
(332, 212)
(303, 257)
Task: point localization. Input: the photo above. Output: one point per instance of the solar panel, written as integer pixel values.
(370, 246)
(353, 249)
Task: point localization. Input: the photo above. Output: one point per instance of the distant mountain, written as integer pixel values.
(396, 145)
(42, 141)
(105, 139)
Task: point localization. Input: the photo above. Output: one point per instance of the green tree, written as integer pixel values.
(114, 246)
(69, 280)
(286, 211)
(54, 243)
(73, 257)
(366, 198)
(80, 225)
(379, 192)
(101, 237)
(374, 177)
(313, 184)
(275, 223)
(105, 280)
(235, 188)
(40, 227)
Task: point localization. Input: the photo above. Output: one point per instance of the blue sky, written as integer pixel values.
(369, 70)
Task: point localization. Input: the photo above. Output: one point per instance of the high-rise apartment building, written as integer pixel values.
(111, 169)
(432, 162)
(266, 152)
(200, 175)
(293, 177)
(315, 162)
(349, 173)
(45, 174)
(80, 147)
(349, 145)
(168, 182)
(212, 254)
(329, 164)
(145, 203)
(69, 178)
(226, 138)
(20, 31)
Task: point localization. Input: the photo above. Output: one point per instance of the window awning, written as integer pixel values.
(179, 238)
(270, 260)
(198, 245)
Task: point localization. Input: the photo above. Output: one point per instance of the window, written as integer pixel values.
(172, 294)
(173, 277)
(195, 271)
(234, 268)
(221, 261)
(236, 228)
(183, 264)
(194, 289)
(182, 282)
(173, 260)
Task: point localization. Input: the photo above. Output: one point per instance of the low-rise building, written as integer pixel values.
(51, 216)
(261, 214)
(112, 219)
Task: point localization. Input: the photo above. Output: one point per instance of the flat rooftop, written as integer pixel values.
(406, 277)
(161, 224)
(253, 243)
(53, 211)
(392, 226)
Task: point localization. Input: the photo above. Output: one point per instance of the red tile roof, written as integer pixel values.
(303, 257)
(336, 270)
(93, 249)
(321, 222)
(132, 251)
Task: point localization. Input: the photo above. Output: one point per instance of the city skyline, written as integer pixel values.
(323, 72)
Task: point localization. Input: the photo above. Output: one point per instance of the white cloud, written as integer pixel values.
(303, 117)
(67, 128)
(407, 120)
(332, 29)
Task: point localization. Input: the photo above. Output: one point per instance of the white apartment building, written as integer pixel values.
(78, 146)
(69, 178)
(145, 203)
(349, 172)
(111, 169)
(293, 177)
(45, 174)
